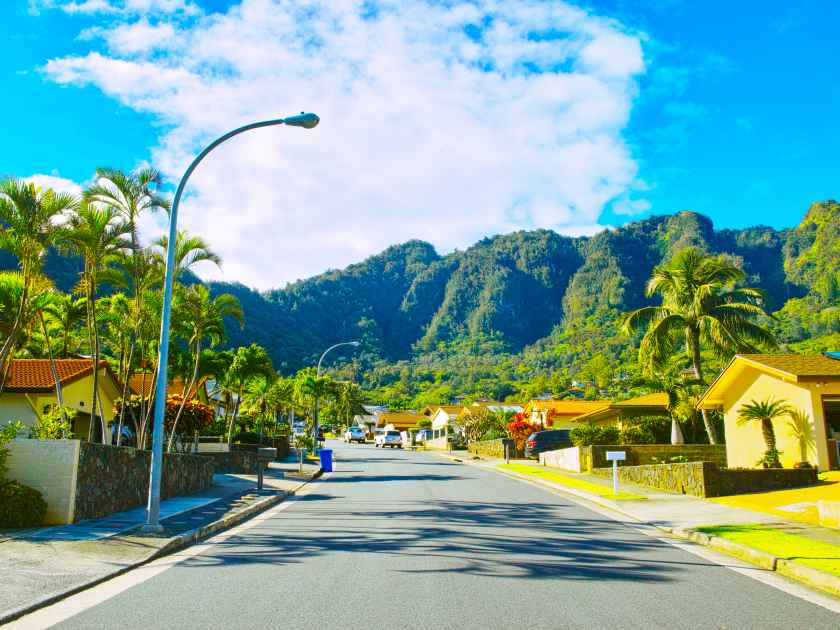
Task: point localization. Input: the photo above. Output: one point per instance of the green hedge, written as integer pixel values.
(20, 505)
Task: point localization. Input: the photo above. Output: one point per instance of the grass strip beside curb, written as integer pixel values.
(571, 482)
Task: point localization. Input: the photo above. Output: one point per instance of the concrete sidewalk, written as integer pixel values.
(43, 565)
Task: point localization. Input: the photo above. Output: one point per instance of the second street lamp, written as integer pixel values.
(355, 344)
(304, 120)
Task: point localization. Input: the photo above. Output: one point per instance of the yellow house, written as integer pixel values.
(561, 414)
(30, 391)
(399, 420)
(810, 383)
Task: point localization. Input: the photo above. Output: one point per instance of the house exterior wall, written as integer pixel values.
(14, 407)
(50, 467)
(744, 443)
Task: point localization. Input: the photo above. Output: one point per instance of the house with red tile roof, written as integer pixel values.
(30, 391)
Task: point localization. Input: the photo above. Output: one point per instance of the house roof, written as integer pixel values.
(35, 375)
(144, 383)
(648, 404)
(431, 410)
(400, 419)
(793, 368)
(567, 407)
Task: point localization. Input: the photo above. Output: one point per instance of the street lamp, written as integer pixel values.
(307, 121)
(355, 344)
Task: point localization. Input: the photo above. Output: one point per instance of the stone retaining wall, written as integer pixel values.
(586, 458)
(488, 448)
(706, 479)
(115, 478)
(233, 462)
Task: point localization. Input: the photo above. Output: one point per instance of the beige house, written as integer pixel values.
(810, 383)
(30, 391)
(562, 414)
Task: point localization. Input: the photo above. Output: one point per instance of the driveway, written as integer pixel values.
(410, 540)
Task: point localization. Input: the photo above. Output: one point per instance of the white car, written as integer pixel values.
(355, 434)
(388, 438)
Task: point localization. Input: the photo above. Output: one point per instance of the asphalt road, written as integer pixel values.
(409, 540)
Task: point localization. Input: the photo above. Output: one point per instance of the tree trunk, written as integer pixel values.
(234, 416)
(187, 389)
(96, 401)
(126, 375)
(53, 369)
(696, 362)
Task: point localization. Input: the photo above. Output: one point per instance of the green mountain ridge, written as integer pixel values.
(517, 288)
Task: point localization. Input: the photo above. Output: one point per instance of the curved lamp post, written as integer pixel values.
(355, 344)
(307, 121)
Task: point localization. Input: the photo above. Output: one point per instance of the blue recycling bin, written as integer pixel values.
(326, 459)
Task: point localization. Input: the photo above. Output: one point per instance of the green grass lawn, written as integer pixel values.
(571, 482)
(814, 553)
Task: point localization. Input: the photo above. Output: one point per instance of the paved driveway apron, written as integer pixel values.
(408, 540)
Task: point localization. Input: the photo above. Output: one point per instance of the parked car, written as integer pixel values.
(549, 440)
(388, 438)
(355, 434)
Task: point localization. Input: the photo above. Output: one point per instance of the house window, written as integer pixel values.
(831, 411)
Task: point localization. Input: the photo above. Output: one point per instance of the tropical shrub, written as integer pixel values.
(54, 425)
(590, 433)
(20, 505)
(645, 430)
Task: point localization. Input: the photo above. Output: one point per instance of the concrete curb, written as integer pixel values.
(809, 576)
(176, 543)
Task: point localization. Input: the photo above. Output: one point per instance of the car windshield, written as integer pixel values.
(393, 434)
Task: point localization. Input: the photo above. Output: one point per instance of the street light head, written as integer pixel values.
(355, 344)
(307, 121)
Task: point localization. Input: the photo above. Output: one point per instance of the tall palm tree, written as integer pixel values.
(131, 195)
(28, 228)
(202, 318)
(261, 396)
(96, 234)
(765, 412)
(701, 306)
(189, 251)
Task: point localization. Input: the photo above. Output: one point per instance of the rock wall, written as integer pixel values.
(488, 448)
(115, 478)
(233, 462)
(706, 479)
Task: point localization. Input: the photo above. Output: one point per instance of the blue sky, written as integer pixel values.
(726, 108)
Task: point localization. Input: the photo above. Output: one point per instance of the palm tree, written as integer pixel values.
(248, 362)
(189, 251)
(96, 234)
(801, 428)
(765, 412)
(67, 313)
(261, 396)
(681, 391)
(28, 228)
(202, 317)
(700, 307)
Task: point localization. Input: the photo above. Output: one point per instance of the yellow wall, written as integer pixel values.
(744, 443)
(77, 395)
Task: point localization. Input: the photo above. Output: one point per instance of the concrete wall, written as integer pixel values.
(49, 466)
(565, 458)
(15, 407)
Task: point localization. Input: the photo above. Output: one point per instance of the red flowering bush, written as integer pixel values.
(195, 417)
(519, 431)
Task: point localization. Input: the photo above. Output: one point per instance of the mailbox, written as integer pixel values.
(266, 454)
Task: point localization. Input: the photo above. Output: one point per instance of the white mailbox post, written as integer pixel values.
(615, 457)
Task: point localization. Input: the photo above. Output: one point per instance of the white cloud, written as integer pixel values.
(132, 7)
(440, 121)
(57, 183)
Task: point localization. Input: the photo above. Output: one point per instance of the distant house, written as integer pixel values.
(561, 414)
(143, 383)
(398, 420)
(30, 391)
(615, 412)
(810, 383)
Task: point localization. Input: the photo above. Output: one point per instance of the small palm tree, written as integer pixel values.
(189, 251)
(28, 228)
(765, 412)
(699, 308)
(800, 426)
(68, 314)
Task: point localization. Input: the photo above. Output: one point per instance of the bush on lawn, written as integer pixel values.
(589, 434)
(20, 505)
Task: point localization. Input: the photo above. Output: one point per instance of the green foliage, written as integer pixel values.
(589, 434)
(7, 434)
(20, 505)
(55, 425)
(646, 430)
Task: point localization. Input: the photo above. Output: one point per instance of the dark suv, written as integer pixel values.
(546, 441)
